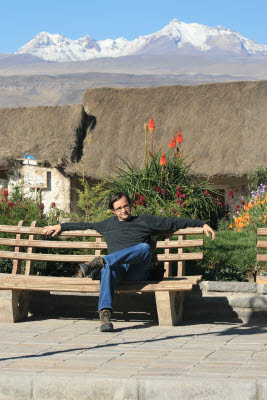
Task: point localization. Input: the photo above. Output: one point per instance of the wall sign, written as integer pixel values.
(35, 178)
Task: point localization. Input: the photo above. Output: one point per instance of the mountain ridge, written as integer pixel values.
(175, 38)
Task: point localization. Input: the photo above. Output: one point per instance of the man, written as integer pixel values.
(129, 252)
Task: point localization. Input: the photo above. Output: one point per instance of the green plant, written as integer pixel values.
(92, 201)
(232, 256)
(169, 190)
(257, 177)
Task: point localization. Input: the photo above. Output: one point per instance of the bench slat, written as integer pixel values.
(45, 283)
(46, 257)
(262, 244)
(88, 232)
(179, 243)
(90, 245)
(262, 257)
(262, 231)
(84, 258)
(176, 257)
(40, 231)
(52, 244)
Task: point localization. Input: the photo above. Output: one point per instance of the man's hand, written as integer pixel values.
(54, 229)
(207, 229)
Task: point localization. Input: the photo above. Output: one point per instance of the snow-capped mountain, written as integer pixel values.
(175, 38)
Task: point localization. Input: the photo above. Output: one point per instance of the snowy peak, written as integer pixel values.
(175, 38)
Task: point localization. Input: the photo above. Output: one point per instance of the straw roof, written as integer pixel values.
(50, 134)
(224, 126)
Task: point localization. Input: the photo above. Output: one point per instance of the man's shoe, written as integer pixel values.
(105, 320)
(92, 267)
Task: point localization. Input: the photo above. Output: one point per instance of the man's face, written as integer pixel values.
(122, 209)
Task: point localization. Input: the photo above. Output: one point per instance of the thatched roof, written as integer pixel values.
(50, 134)
(224, 126)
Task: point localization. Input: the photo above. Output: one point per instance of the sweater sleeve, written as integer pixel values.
(77, 226)
(166, 224)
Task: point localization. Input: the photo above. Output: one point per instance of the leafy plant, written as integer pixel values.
(257, 177)
(169, 190)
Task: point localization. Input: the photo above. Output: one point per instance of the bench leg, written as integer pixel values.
(14, 305)
(169, 307)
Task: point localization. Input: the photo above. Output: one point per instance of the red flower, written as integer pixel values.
(10, 204)
(206, 192)
(136, 196)
(231, 194)
(164, 191)
(179, 137)
(53, 204)
(172, 143)
(151, 125)
(142, 198)
(138, 203)
(163, 160)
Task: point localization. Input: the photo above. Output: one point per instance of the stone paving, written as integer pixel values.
(59, 358)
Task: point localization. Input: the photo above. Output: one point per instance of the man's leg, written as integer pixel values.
(114, 271)
(131, 255)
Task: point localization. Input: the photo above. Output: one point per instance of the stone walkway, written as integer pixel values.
(70, 359)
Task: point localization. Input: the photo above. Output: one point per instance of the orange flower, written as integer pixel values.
(163, 160)
(172, 143)
(179, 137)
(151, 125)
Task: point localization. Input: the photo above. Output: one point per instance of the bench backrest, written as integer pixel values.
(27, 239)
(261, 244)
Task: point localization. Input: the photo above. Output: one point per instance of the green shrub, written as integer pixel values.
(172, 190)
(257, 177)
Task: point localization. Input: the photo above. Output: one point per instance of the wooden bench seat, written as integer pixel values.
(15, 288)
(261, 244)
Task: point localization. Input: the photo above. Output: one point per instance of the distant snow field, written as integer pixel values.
(175, 38)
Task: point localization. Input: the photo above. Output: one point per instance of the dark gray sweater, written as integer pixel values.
(121, 234)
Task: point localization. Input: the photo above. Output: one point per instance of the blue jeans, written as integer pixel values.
(130, 264)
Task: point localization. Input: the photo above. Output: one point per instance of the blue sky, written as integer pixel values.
(21, 20)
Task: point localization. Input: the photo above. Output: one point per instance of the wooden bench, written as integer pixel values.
(261, 244)
(15, 288)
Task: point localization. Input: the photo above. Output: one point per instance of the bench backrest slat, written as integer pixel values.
(52, 244)
(84, 257)
(89, 232)
(261, 244)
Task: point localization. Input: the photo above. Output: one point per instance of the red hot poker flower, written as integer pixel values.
(163, 160)
(172, 143)
(151, 125)
(179, 137)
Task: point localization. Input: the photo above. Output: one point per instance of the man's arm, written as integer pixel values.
(75, 226)
(168, 224)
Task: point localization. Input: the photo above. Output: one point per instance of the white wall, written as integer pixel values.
(57, 190)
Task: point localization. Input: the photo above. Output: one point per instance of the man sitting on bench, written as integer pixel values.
(129, 253)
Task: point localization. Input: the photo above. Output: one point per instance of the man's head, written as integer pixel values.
(120, 205)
